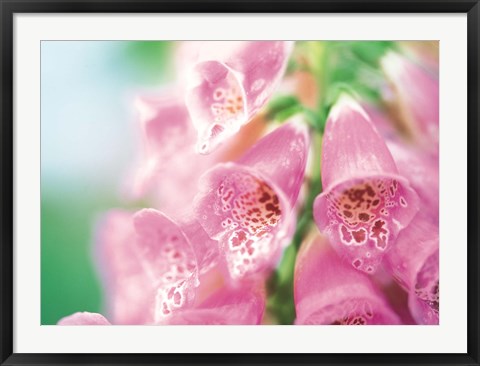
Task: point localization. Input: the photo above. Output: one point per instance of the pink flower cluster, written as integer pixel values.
(228, 189)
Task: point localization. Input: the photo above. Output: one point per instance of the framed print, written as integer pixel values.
(201, 182)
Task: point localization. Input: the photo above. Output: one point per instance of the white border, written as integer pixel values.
(450, 336)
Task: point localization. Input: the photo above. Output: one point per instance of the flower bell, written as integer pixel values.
(414, 263)
(227, 84)
(365, 202)
(329, 291)
(148, 266)
(248, 206)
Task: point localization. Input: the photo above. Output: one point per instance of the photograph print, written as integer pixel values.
(240, 183)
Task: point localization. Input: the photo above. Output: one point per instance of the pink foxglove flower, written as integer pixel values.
(169, 260)
(365, 203)
(150, 270)
(248, 206)
(228, 83)
(417, 93)
(84, 318)
(329, 291)
(169, 159)
(414, 262)
(227, 306)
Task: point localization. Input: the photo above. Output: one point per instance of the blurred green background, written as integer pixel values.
(88, 139)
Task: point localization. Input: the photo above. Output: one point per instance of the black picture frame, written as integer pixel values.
(10, 7)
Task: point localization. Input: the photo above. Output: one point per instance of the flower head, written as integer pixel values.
(149, 266)
(365, 202)
(168, 258)
(329, 291)
(414, 262)
(248, 206)
(243, 304)
(228, 82)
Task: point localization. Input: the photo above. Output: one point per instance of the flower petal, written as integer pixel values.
(228, 83)
(168, 259)
(248, 206)
(414, 263)
(147, 264)
(365, 203)
(84, 318)
(166, 123)
(228, 306)
(422, 311)
(281, 156)
(205, 249)
(329, 291)
(351, 146)
(246, 214)
(129, 292)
